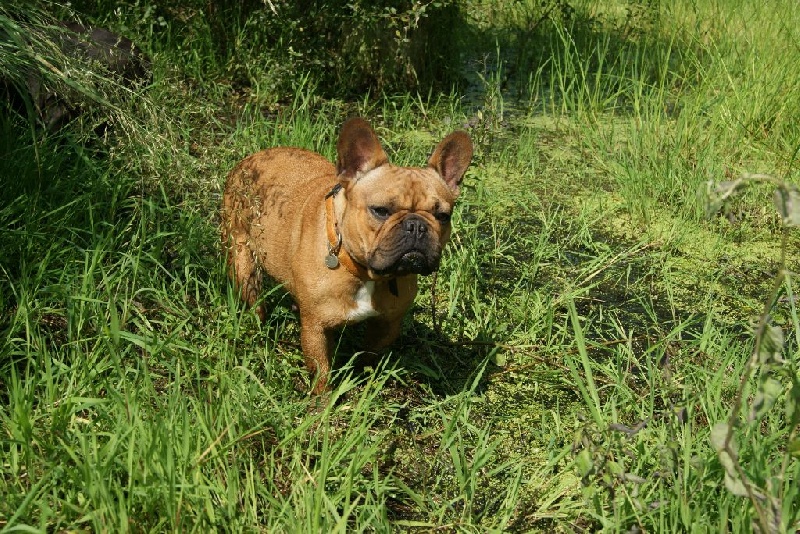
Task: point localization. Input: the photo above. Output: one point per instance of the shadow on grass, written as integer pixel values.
(72, 230)
(424, 356)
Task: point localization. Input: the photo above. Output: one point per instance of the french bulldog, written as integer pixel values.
(347, 241)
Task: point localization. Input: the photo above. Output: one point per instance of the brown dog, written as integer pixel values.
(347, 241)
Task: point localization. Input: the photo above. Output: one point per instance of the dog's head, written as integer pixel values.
(396, 220)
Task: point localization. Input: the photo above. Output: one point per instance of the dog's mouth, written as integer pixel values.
(411, 262)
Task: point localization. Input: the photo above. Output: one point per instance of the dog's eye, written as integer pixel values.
(443, 217)
(380, 212)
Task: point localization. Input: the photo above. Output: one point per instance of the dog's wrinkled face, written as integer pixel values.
(397, 220)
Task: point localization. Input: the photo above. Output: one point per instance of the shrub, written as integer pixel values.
(345, 47)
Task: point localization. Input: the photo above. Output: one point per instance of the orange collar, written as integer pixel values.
(337, 255)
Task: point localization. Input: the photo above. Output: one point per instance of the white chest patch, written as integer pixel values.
(363, 303)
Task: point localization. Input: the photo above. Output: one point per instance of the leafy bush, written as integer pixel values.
(345, 47)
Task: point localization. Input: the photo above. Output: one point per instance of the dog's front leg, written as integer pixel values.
(381, 332)
(317, 344)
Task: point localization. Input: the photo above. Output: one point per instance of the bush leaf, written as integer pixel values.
(766, 395)
(771, 346)
(792, 401)
(735, 484)
(718, 434)
(787, 202)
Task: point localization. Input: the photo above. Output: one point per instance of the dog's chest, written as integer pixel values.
(362, 303)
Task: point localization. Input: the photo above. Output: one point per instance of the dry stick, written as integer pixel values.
(737, 405)
(623, 254)
(205, 453)
(433, 304)
(762, 324)
(793, 434)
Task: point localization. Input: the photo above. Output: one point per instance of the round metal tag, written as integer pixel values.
(331, 261)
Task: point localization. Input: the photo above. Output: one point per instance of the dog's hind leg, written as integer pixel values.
(244, 270)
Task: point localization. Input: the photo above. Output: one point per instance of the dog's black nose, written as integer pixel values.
(415, 226)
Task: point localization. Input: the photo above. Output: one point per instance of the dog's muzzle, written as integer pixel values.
(409, 249)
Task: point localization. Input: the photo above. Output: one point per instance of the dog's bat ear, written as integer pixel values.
(358, 149)
(451, 159)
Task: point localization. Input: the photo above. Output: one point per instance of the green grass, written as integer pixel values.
(591, 324)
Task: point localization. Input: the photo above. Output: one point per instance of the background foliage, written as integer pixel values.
(347, 48)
